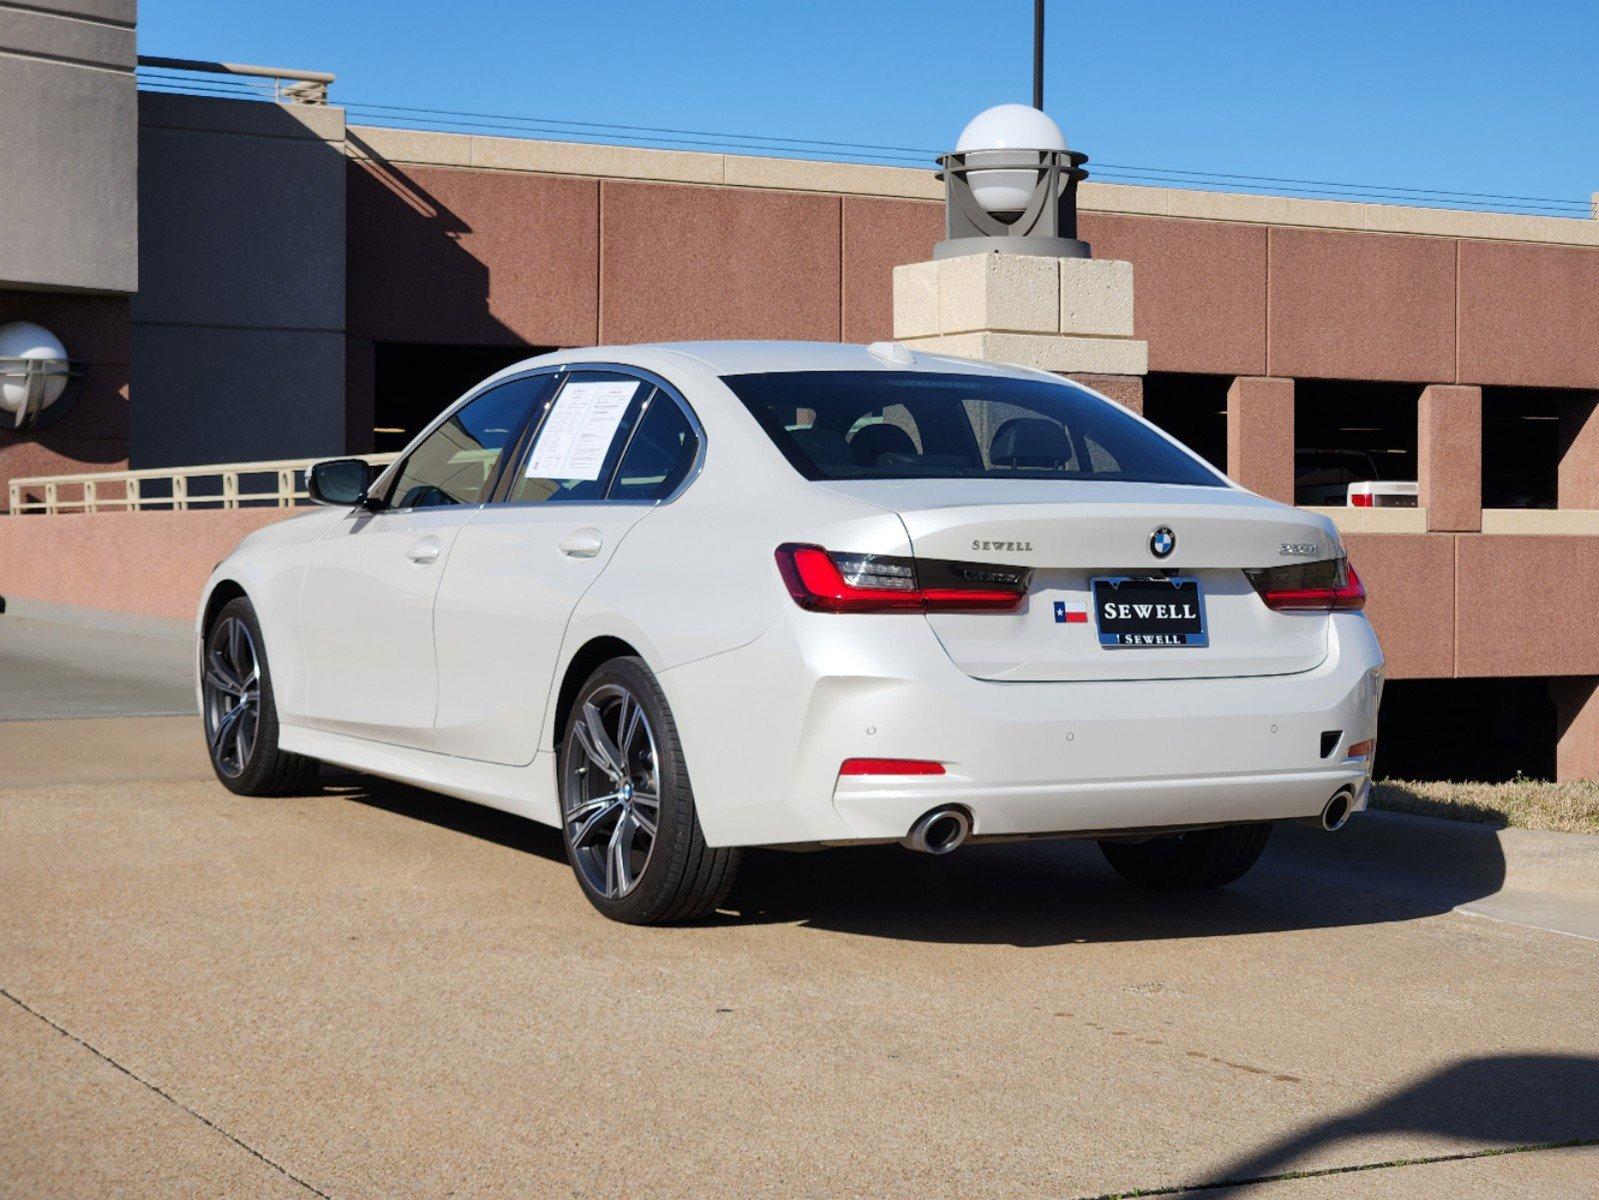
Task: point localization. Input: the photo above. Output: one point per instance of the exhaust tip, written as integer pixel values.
(939, 831)
(1337, 810)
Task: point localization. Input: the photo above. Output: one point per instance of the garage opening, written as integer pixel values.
(1193, 409)
(1520, 447)
(1351, 432)
(1484, 730)
(413, 382)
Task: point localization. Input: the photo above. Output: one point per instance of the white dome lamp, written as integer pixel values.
(1010, 187)
(34, 374)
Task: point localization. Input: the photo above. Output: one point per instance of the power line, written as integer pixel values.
(771, 139)
(410, 121)
(403, 109)
(604, 125)
(1559, 208)
(1390, 187)
(393, 115)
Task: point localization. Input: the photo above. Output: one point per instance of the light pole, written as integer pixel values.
(1038, 55)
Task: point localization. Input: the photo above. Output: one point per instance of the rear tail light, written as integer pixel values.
(1360, 499)
(828, 581)
(890, 766)
(1327, 586)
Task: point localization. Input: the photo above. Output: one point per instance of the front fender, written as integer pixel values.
(268, 567)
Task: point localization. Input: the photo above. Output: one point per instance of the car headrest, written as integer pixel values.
(871, 442)
(825, 447)
(1030, 442)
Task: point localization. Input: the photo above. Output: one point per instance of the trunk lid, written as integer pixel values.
(1072, 532)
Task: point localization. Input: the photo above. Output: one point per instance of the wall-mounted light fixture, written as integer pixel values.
(1010, 187)
(37, 380)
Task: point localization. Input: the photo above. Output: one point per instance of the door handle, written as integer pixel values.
(581, 543)
(425, 553)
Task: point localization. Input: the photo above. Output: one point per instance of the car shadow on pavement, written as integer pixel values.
(1045, 893)
(1038, 893)
(1495, 1103)
(458, 816)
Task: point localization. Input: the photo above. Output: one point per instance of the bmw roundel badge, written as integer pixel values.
(1162, 542)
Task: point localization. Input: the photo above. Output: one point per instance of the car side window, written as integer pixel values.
(580, 439)
(660, 453)
(454, 463)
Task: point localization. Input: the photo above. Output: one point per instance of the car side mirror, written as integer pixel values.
(342, 481)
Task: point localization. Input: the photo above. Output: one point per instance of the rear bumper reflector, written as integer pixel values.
(890, 766)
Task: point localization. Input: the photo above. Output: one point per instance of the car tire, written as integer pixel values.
(628, 819)
(239, 712)
(1200, 858)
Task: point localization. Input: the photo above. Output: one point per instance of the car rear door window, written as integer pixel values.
(660, 454)
(581, 435)
(456, 462)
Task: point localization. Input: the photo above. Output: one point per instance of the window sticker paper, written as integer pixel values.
(579, 430)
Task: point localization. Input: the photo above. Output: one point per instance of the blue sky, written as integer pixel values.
(1467, 96)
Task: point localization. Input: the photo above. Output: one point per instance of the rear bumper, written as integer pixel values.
(1104, 806)
(1023, 758)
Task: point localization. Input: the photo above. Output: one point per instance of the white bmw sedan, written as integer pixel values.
(678, 600)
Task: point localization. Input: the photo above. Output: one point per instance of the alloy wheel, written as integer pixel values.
(611, 793)
(231, 687)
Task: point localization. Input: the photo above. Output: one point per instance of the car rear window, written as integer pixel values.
(924, 425)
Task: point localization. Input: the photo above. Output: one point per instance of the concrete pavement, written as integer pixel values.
(371, 991)
(58, 661)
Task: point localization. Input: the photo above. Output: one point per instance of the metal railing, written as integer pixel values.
(280, 483)
(290, 85)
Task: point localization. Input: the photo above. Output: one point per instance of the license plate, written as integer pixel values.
(1134, 611)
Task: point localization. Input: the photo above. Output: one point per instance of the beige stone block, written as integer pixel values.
(1045, 352)
(1096, 297)
(1373, 520)
(409, 146)
(607, 162)
(1536, 522)
(1012, 292)
(851, 179)
(916, 300)
(1139, 200)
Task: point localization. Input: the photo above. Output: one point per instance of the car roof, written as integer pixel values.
(749, 357)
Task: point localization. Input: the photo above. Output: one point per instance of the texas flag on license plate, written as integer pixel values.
(1069, 613)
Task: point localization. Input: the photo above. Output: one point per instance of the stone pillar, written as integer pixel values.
(1449, 457)
(1260, 436)
(1578, 485)
(1126, 390)
(1069, 315)
(1577, 725)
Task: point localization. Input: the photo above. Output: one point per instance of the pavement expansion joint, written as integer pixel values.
(165, 1095)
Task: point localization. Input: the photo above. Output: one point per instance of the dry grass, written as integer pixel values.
(1527, 803)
